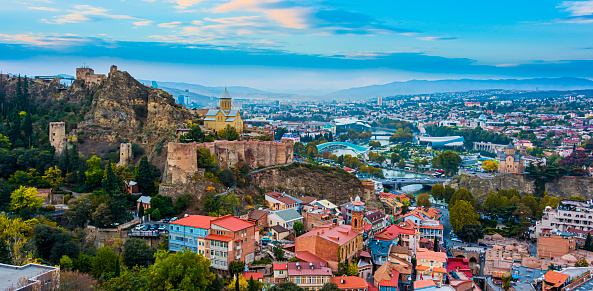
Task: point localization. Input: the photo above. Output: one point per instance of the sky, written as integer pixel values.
(296, 45)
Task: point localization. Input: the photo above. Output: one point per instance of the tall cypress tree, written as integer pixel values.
(588, 243)
(28, 128)
(145, 177)
(25, 99)
(19, 94)
(110, 185)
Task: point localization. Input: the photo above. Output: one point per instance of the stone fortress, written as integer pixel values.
(182, 158)
(90, 78)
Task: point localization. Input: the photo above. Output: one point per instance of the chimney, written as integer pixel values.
(311, 265)
(298, 265)
(342, 281)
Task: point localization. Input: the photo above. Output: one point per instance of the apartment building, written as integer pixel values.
(309, 276)
(430, 229)
(431, 265)
(555, 244)
(281, 201)
(220, 239)
(569, 215)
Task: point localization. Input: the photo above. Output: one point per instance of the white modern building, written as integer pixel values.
(569, 214)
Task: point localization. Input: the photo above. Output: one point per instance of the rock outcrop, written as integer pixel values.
(332, 184)
(481, 187)
(566, 187)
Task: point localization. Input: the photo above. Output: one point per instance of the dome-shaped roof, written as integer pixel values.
(357, 199)
(497, 236)
(498, 248)
(510, 248)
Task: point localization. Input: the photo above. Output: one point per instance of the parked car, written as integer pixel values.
(162, 228)
(139, 226)
(154, 227)
(166, 220)
(173, 219)
(146, 227)
(456, 240)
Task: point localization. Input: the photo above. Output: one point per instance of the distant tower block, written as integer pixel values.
(57, 136)
(125, 154)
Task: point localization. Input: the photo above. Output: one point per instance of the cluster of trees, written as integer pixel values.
(320, 138)
(310, 150)
(377, 158)
(402, 135)
(354, 135)
(394, 124)
(448, 161)
(463, 216)
(490, 166)
(195, 134)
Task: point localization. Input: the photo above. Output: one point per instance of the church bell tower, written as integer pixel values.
(357, 214)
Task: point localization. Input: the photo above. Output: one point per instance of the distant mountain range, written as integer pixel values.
(427, 87)
(208, 95)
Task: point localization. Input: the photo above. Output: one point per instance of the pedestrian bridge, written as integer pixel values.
(336, 144)
(398, 183)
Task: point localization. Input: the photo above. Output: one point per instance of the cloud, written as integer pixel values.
(580, 11)
(44, 8)
(506, 65)
(286, 14)
(184, 4)
(170, 24)
(143, 22)
(84, 13)
(435, 38)
(41, 40)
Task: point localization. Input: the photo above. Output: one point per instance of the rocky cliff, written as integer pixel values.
(298, 179)
(482, 187)
(124, 110)
(563, 187)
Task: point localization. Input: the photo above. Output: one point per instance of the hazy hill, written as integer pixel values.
(426, 87)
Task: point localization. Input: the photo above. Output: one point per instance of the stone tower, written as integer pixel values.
(225, 101)
(57, 136)
(357, 214)
(112, 71)
(125, 154)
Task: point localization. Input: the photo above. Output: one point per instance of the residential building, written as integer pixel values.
(555, 244)
(144, 201)
(217, 119)
(425, 285)
(314, 216)
(189, 233)
(309, 276)
(377, 221)
(365, 266)
(325, 204)
(258, 217)
(329, 242)
(350, 283)
(280, 273)
(279, 232)
(408, 238)
(569, 215)
(555, 280)
(386, 278)
(285, 218)
(280, 201)
(230, 239)
(29, 277)
(431, 265)
(431, 229)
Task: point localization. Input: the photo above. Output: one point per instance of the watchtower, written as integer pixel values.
(57, 136)
(125, 154)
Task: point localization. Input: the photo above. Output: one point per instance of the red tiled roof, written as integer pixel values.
(309, 257)
(423, 283)
(281, 197)
(432, 227)
(280, 267)
(350, 282)
(340, 234)
(256, 276)
(431, 256)
(232, 223)
(197, 221)
(555, 278)
(218, 237)
(393, 282)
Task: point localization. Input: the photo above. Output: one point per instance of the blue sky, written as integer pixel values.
(290, 44)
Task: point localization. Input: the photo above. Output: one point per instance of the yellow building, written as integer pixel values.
(217, 119)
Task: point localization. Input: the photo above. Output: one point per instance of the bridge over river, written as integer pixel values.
(398, 183)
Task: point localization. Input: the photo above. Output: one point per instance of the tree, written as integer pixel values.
(471, 233)
(53, 243)
(242, 283)
(131, 279)
(287, 286)
(437, 192)
(588, 243)
(184, 270)
(254, 285)
(423, 200)
(195, 134)
(448, 193)
(401, 164)
(352, 269)
(80, 281)
(311, 150)
(436, 244)
(330, 286)
(111, 184)
(278, 253)
(462, 194)
(506, 282)
(490, 166)
(395, 158)
(94, 173)
(227, 177)
(299, 148)
(66, 263)
(104, 263)
(145, 177)
(137, 253)
(582, 263)
(298, 227)
(449, 161)
(375, 144)
(25, 197)
(228, 133)
(462, 213)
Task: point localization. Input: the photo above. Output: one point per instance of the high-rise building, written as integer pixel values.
(380, 101)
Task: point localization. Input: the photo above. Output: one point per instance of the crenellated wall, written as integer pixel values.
(182, 157)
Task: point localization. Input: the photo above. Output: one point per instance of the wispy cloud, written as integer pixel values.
(286, 14)
(143, 22)
(435, 38)
(580, 11)
(184, 4)
(170, 24)
(84, 13)
(43, 8)
(506, 65)
(42, 40)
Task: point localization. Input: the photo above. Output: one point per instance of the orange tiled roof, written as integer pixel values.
(422, 268)
(440, 270)
(432, 256)
(350, 282)
(280, 267)
(555, 278)
(197, 221)
(423, 284)
(219, 237)
(232, 223)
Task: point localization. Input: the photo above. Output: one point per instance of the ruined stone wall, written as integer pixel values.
(566, 187)
(57, 136)
(182, 162)
(182, 158)
(89, 76)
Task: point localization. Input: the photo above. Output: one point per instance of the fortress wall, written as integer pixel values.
(182, 158)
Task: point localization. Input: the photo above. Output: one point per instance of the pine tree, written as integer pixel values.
(145, 177)
(25, 98)
(117, 269)
(588, 243)
(28, 126)
(110, 185)
(436, 244)
(19, 93)
(65, 161)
